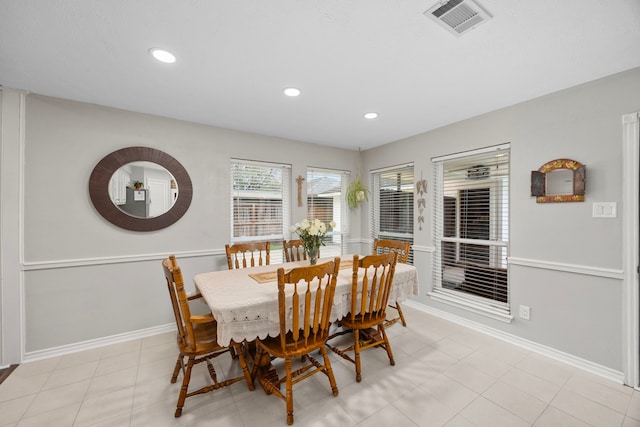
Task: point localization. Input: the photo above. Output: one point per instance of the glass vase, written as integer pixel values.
(312, 253)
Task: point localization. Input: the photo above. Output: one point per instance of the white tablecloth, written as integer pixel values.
(246, 309)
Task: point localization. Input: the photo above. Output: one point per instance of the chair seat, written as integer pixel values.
(293, 348)
(206, 339)
(368, 320)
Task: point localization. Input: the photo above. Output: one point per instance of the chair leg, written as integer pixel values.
(387, 345)
(404, 322)
(329, 371)
(356, 352)
(184, 388)
(176, 370)
(289, 391)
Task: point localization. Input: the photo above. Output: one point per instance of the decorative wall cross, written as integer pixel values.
(300, 180)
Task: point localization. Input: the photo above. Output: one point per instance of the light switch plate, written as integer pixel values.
(605, 209)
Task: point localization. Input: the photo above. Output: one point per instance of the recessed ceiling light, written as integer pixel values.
(371, 115)
(292, 91)
(163, 55)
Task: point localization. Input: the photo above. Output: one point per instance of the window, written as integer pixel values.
(260, 203)
(325, 201)
(471, 228)
(392, 204)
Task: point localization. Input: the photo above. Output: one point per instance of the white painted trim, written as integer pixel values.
(569, 359)
(630, 251)
(96, 343)
(453, 156)
(83, 262)
(447, 297)
(388, 168)
(12, 147)
(568, 268)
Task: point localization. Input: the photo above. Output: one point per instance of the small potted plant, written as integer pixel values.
(137, 184)
(356, 193)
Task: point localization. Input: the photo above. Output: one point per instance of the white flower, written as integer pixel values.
(312, 232)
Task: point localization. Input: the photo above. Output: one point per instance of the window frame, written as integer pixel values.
(499, 190)
(375, 218)
(342, 225)
(275, 238)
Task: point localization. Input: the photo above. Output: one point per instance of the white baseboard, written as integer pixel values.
(100, 342)
(552, 353)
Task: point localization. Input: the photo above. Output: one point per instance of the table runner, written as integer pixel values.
(272, 276)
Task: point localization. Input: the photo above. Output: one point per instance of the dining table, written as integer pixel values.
(244, 301)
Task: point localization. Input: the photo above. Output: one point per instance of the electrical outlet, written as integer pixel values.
(525, 312)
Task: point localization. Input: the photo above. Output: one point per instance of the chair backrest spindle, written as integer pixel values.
(243, 255)
(294, 250)
(386, 246)
(377, 278)
(179, 300)
(311, 290)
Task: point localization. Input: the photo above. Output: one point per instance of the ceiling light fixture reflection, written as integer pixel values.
(292, 91)
(163, 55)
(371, 115)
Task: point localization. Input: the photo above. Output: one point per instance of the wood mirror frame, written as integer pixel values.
(538, 181)
(104, 170)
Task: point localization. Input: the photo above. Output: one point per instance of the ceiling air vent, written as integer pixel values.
(458, 16)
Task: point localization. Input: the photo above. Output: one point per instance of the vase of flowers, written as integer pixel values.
(312, 233)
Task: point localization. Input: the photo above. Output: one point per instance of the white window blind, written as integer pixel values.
(471, 227)
(391, 198)
(260, 208)
(325, 201)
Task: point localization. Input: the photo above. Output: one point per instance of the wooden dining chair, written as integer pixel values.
(294, 250)
(243, 255)
(196, 339)
(305, 298)
(367, 315)
(403, 248)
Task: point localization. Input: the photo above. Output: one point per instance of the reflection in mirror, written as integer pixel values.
(559, 181)
(154, 195)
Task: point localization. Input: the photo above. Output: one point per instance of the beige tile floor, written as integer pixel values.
(445, 375)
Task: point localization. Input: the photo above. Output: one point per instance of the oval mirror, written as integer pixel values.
(163, 195)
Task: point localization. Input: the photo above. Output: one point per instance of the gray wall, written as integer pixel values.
(87, 279)
(576, 313)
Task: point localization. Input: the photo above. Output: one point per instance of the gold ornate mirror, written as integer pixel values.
(560, 180)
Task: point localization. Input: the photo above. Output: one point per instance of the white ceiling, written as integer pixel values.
(348, 57)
